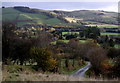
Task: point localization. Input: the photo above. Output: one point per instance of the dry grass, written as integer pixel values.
(29, 76)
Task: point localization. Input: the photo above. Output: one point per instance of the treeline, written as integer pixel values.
(26, 9)
(82, 32)
(17, 48)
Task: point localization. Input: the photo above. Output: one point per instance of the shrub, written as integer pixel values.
(96, 56)
(106, 67)
(59, 42)
(43, 59)
(116, 67)
(113, 52)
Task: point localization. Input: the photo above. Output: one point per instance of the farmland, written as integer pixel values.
(66, 41)
(104, 25)
(63, 33)
(74, 20)
(117, 34)
(22, 18)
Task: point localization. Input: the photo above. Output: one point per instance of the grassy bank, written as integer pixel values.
(28, 75)
(14, 72)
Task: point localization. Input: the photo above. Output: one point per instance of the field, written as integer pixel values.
(66, 41)
(110, 34)
(11, 14)
(104, 25)
(70, 19)
(117, 46)
(63, 33)
(28, 75)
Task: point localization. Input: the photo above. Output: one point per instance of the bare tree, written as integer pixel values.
(43, 39)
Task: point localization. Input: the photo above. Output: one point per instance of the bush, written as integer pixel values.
(43, 59)
(116, 67)
(60, 42)
(96, 56)
(113, 52)
(106, 67)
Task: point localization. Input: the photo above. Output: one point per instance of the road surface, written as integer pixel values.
(81, 72)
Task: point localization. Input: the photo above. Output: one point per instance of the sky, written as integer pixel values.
(60, 0)
(67, 6)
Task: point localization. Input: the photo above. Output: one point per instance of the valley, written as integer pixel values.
(47, 44)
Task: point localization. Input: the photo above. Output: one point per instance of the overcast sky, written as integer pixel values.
(68, 6)
(60, 0)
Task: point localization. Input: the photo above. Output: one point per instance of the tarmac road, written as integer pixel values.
(81, 72)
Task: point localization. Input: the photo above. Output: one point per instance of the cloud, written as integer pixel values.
(113, 8)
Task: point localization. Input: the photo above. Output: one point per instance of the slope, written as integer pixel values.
(91, 16)
(22, 18)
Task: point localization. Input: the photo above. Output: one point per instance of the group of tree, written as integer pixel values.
(17, 50)
(106, 41)
(86, 32)
(105, 62)
(48, 57)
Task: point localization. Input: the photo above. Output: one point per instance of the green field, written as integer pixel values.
(63, 33)
(66, 41)
(110, 33)
(104, 26)
(117, 46)
(11, 14)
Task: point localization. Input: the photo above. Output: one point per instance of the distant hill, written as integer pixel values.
(91, 16)
(25, 15)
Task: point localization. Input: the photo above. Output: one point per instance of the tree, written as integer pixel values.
(111, 43)
(116, 67)
(8, 37)
(96, 56)
(14, 47)
(21, 50)
(43, 40)
(113, 52)
(43, 59)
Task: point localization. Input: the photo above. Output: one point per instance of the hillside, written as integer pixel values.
(21, 17)
(91, 16)
(25, 15)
